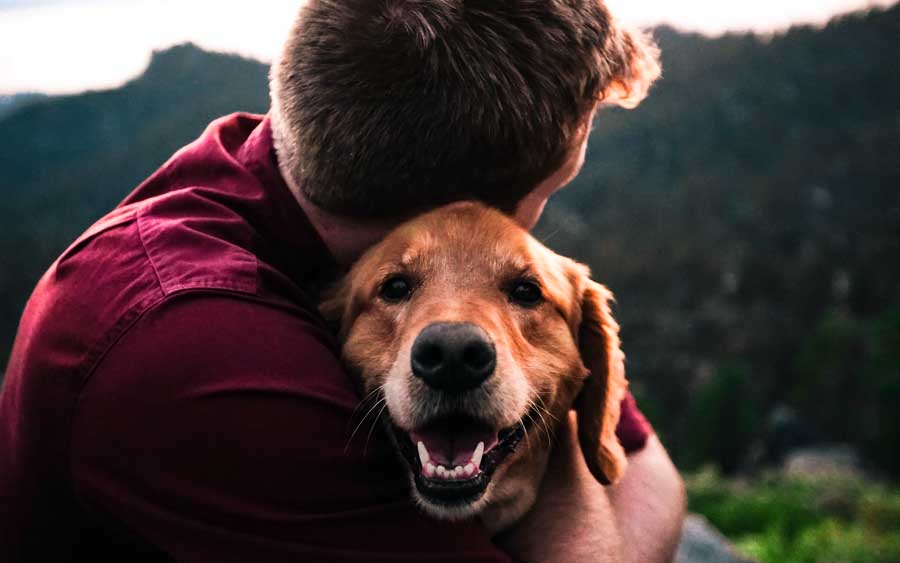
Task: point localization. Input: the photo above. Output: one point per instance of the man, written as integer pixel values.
(173, 394)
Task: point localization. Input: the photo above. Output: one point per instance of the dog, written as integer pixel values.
(479, 339)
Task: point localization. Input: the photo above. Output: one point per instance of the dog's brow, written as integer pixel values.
(516, 272)
(407, 264)
(409, 258)
(511, 262)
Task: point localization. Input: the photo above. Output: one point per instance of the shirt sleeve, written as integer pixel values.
(218, 431)
(633, 429)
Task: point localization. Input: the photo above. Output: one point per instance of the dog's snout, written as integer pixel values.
(453, 357)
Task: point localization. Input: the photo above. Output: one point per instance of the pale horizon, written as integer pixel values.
(44, 52)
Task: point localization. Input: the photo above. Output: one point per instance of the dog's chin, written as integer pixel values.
(445, 511)
(453, 461)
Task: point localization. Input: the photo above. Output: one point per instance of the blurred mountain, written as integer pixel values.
(747, 216)
(9, 103)
(65, 161)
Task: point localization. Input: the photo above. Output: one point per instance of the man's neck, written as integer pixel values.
(345, 238)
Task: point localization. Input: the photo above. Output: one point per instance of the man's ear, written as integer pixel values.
(631, 59)
(604, 388)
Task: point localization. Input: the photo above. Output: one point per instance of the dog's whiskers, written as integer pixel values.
(541, 410)
(371, 395)
(546, 238)
(545, 427)
(533, 421)
(382, 400)
(540, 406)
(374, 422)
(525, 431)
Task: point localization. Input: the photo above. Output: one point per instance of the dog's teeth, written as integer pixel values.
(433, 471)
(479, 452)
(423, 454)
(437, 471)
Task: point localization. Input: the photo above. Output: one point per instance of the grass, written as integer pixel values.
(776, 519)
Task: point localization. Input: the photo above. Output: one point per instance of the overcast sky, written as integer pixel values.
(60, 46)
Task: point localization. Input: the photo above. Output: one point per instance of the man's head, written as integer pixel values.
(384, 108)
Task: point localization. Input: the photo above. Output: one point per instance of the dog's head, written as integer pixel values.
(479, 339)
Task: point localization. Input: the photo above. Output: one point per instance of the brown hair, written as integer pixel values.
(382, 108)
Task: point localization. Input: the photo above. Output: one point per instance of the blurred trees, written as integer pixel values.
(849, 382)
(724, 419)
(748, 214)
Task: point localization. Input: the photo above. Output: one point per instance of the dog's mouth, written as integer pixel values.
(454, 458)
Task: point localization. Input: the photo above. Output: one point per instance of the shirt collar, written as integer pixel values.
(295, 245)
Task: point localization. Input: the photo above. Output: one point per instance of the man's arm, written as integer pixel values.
(649, 503)
(578, 520)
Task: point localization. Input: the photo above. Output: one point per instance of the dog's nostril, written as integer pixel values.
(430, 356)
(477, 356)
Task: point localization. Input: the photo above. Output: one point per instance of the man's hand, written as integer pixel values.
(578, 520)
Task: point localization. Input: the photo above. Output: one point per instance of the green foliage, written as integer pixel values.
(814, 520)
(849, 381)
(722, 419)
(882, 375)
(828, 542)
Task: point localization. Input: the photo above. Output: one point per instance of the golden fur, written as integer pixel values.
(561, 354)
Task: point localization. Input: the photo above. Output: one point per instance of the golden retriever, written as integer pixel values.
(479, 339)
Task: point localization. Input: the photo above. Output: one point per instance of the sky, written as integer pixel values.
(65, 46)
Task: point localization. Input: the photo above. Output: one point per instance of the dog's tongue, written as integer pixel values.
(452, 446)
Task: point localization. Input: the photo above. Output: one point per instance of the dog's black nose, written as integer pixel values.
(453, 357)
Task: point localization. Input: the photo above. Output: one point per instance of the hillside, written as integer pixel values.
(747, 216)
(10, 103)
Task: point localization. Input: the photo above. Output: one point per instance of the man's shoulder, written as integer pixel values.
(145, 257)
(96, 287)
(235, 344)
(214, 219)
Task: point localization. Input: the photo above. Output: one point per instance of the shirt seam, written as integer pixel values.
(168, 287)
(141, 237)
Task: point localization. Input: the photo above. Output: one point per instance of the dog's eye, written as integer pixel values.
(396, 289)
(526, 293)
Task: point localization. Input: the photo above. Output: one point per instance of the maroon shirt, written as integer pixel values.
(173, 394)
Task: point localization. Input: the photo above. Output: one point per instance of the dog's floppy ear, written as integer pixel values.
(631, 61)
(336, 306)
(604, 388)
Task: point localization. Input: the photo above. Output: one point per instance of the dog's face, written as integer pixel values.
(479, 339)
